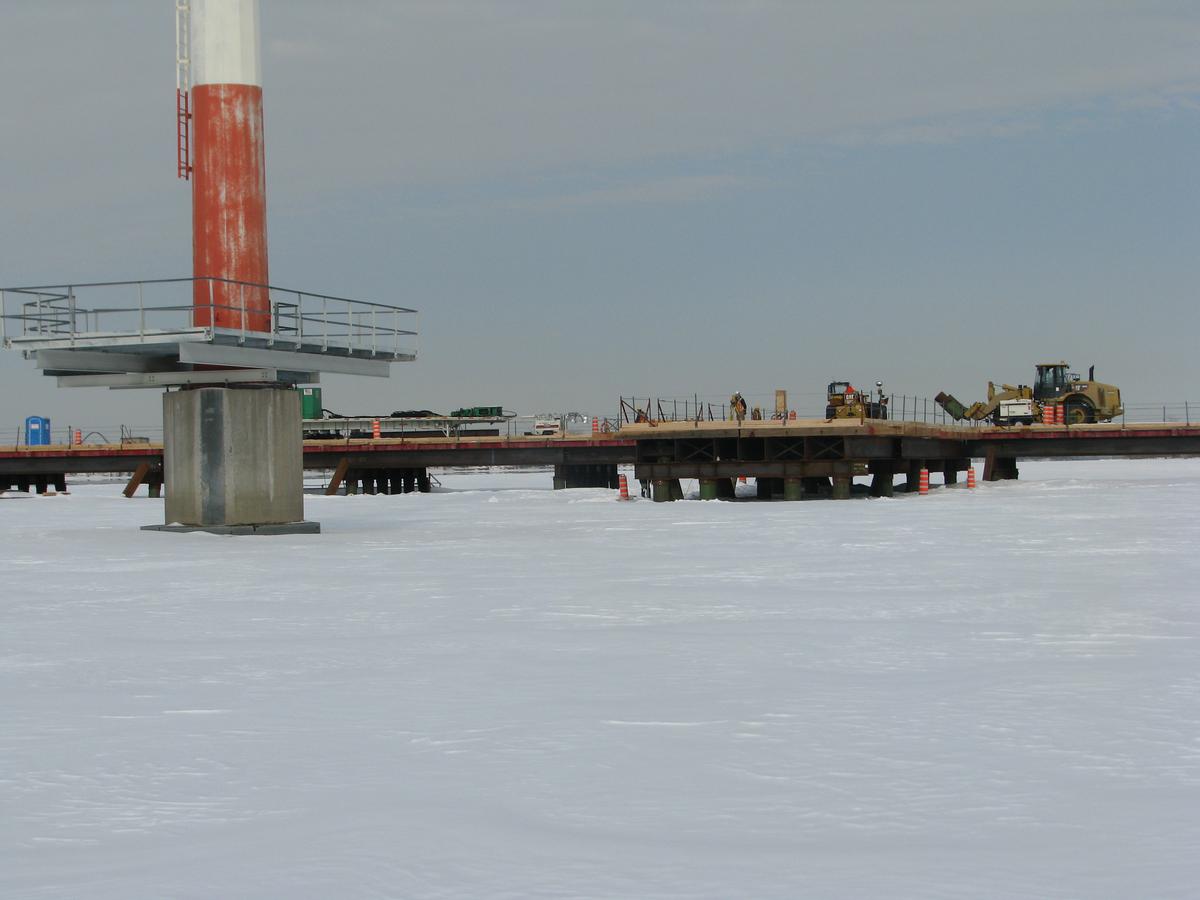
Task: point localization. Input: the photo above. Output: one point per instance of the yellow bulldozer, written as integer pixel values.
(1083, 400)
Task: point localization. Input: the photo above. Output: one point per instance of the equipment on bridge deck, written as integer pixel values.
(479, 412)
(1055, 388)
(545, 427)
(844, 402)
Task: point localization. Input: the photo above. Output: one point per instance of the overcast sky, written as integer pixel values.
(592, 199)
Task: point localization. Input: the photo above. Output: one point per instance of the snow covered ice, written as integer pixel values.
(499, 690)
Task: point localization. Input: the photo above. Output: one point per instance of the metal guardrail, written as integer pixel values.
(109, 434)
(901, 408)
(1178, 412)
(152, 308)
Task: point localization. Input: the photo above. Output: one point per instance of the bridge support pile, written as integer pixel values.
(42, 483)
(585, 476)
(385, 481)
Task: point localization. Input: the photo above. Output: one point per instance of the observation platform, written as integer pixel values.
(151, 333)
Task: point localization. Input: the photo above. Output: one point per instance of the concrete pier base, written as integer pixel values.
(288, 528)
(233, 459)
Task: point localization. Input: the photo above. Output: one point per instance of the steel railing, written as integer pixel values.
(900, 407)
(150, 309)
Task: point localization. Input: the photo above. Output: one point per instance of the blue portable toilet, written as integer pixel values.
(37, 431)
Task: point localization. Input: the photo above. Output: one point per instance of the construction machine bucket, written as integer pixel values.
(950, 405)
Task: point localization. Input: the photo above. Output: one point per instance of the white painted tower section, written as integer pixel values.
(225, 42)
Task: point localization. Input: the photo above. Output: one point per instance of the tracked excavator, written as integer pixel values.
(1083, 400)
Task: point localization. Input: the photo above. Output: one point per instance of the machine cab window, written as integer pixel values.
(1051, 381)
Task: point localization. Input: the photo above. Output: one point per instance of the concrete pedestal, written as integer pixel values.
(233, 461)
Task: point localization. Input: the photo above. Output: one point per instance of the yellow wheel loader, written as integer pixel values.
(1083, 400)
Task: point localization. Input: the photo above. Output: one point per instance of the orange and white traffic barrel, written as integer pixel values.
(375, 431)
(923, 484)
(624, 482)
(970, 476)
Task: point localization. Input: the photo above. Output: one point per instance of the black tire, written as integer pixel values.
(1078, 412)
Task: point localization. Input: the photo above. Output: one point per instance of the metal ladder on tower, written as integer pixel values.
(183, 81)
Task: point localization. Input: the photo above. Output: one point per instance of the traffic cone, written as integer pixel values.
(375, 429)
(624, 482)
(923, 484)
(970, 476)
(595, 425)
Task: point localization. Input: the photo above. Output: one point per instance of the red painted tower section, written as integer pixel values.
(229, 190)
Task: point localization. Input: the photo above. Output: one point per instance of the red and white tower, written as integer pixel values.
(226, 159)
